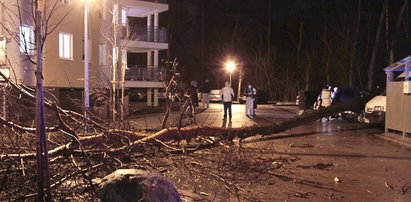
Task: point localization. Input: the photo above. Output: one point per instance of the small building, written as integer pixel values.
(398, 110)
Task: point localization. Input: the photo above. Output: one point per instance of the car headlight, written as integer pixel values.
(378, 108)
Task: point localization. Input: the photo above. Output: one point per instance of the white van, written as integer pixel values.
(374, 112)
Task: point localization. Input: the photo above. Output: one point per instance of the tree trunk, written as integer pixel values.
(375, 49)
(43, 170)
(354, 45)
(397, 28)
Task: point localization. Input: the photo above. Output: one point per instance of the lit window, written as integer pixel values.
(124, 56)
(66, 46)
(27, 40)
(115, 55)
(123, 17)
(102, 54)
(3, 52)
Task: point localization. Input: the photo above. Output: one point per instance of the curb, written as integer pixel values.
(396, 140)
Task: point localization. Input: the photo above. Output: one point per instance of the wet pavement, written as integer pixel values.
(213, 116)
(319, 161)
(366, 166)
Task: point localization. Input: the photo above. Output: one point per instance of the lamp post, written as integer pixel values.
(230, 66)
(86, 62)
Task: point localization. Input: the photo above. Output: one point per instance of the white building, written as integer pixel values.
(125, 29)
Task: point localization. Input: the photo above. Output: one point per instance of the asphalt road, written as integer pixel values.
(213, 116)
(319, 161)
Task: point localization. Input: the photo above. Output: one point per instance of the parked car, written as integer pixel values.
(215, 96)
(261, 98)
(374, 112)
(137, 95)
(344, 95)
(347, 94)
(310, 98)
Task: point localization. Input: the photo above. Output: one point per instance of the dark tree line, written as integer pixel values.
(286, 46)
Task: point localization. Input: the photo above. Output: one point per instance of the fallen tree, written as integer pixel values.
(137, 141)
(80, 152)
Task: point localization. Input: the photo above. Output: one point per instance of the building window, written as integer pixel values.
(123, 17)
(67, 2)
(27, 40)
(102, 54)
(66, 46)
(3, 52)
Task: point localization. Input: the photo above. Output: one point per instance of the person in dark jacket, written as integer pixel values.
(205, 91)
(192, 91)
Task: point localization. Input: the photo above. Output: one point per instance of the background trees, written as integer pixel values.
(310, 43)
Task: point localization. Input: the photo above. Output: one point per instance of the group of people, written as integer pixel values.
(227, 94)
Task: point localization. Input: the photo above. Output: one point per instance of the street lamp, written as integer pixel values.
(230, 66)
(86, 62)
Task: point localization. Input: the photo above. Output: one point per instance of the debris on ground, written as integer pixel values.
(320, 166)
(406, 187)
(302, 146)
(388, 185)
(337, 180)
(300, 194)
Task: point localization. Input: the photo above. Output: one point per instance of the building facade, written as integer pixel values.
(125, 43)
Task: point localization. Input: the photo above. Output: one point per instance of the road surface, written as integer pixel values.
(319, 161)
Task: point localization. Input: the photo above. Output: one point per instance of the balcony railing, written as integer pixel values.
(145, 73)
(144, 33)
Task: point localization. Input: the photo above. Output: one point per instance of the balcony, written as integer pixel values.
(144, 33)
(145, 73)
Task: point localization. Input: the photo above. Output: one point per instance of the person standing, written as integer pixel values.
(301, 102)
(334, 95)
(250, 93)
(205, 91)
(192, 91)
(227, 94)
(325, 99)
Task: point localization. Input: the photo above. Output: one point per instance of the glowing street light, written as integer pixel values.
(230, 66)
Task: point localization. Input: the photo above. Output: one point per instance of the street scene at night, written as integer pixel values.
(205, 100)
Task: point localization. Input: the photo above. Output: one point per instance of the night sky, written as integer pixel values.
(284, 46)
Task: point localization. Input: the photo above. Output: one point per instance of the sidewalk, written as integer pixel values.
(397, 138)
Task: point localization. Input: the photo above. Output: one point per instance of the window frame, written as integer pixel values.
(102, 56)
(27, 39)
(62, 46)
(3, 51)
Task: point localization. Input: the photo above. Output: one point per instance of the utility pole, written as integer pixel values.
(269, 28)
(86, 66)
